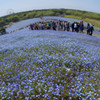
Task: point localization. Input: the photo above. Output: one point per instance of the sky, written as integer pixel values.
(9, 6)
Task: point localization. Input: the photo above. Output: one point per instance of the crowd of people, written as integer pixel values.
(62, 25)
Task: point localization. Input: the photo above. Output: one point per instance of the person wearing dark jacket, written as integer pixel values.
(88, 29)
(91, 30)
(31, 26)
(72, 27)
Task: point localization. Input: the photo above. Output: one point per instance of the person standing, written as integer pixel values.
(58, 26)
(54, 26)
(72, 27)
(31, 26)
(91, 29)
(68, 27)
(81, 27)
(88, 29)
(75, 27)
(65, 26)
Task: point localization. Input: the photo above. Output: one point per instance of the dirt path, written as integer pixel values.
(97, 35)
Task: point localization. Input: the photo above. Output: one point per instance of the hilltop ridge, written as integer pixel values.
(91, 17)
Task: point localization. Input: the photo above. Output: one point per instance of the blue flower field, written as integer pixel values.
(49, 65)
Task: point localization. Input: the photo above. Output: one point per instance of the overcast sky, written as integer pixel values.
(7, 6)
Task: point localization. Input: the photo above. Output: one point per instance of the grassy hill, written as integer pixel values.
(77, 14)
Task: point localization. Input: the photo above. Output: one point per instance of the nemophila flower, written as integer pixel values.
(9, 97)
(70, 98)
(26, 98)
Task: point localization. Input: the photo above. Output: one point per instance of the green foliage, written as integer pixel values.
(93, 21)
(13, 18)
(2, 31)
(83, 14)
